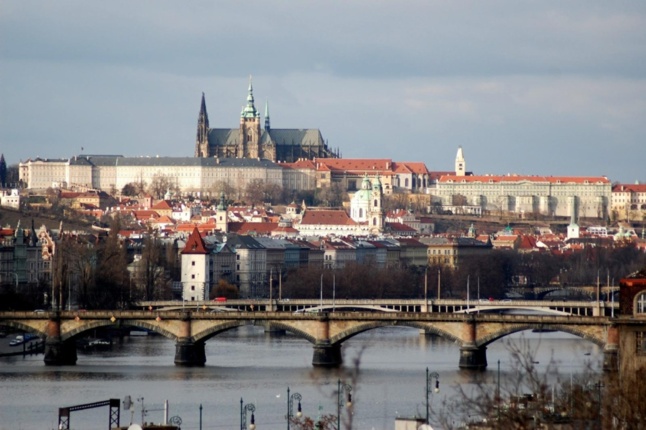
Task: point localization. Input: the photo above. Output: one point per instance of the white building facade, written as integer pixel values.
(523, 196)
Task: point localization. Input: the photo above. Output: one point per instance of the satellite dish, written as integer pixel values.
(135, 427)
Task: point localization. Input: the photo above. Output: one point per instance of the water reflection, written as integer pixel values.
(249, 363)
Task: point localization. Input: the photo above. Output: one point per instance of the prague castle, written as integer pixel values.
(250, 140)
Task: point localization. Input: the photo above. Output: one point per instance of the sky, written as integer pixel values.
(528, 87)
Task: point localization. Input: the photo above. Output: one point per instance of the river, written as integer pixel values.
(259, 367)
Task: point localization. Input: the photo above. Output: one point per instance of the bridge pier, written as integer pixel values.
(471, 356)
(326, 355)
(57, 352)
(611, 350)
(188, 353)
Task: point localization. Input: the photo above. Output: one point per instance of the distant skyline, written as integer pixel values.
(533, 88)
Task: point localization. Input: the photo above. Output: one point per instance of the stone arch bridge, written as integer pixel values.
(326, 331)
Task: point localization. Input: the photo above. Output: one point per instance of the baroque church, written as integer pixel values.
(250, 140)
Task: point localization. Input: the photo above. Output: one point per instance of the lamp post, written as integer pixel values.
(498, 393)
(290, 407)
(342, 388)
(243, 415)
(599, 385)
(333, 291)
(436, 389)
(426, 287)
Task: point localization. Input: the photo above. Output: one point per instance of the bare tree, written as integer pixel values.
(161, 184)
(528, 399)
(254, 192)
(223, 187)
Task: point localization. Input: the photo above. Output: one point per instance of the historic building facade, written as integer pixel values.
(526, 196)
(188, 174)
(629, 201)
(253, 140)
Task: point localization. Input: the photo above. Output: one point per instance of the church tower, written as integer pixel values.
(249, 147)
(221, 215)
(202, 140)
(376, 212)
(460, 164)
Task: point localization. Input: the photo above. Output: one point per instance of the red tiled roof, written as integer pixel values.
(300, 164)
(145, 214)
(6, 232)
(164, 220)
(629, 188)
(529, 178)
(195, 244)
(253, 227)
(162, 204)
(396, 226)
(527, 242)
(355, 164)
(326, 217)
(412, 166)
(185, 227)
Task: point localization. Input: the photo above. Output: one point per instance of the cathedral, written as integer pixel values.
(250, 140)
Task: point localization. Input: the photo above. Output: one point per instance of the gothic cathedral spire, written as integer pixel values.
(202, 140)
(267, 126)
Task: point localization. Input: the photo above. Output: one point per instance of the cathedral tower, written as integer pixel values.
(202, 140)
(249, 129)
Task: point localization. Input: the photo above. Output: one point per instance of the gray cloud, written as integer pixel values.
(539, 87)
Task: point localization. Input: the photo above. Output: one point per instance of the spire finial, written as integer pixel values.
(267, 126)
(250, 111)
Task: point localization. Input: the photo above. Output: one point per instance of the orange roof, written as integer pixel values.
(399, 227)
(629, 188)
(414, 166)
(326, 217)
(162, 204)
(164, 220)
(145, 214)
(195, 244)
(185, 227)
(527, 242)
(300, 164)
(355, 164)
(529, 178)
(253, 227)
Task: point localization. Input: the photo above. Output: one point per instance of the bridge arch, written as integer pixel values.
(91, 325)
(364, 327)
(581, 332)
(19, 325)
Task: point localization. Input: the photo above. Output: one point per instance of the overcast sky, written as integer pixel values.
(528, 87)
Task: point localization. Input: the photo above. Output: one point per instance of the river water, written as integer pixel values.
(259, 367)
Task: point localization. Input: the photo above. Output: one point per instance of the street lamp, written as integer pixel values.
(321, 293)
(290, 406)
(428, 388)
(341, 388)
(599, 385)
(243, 415)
